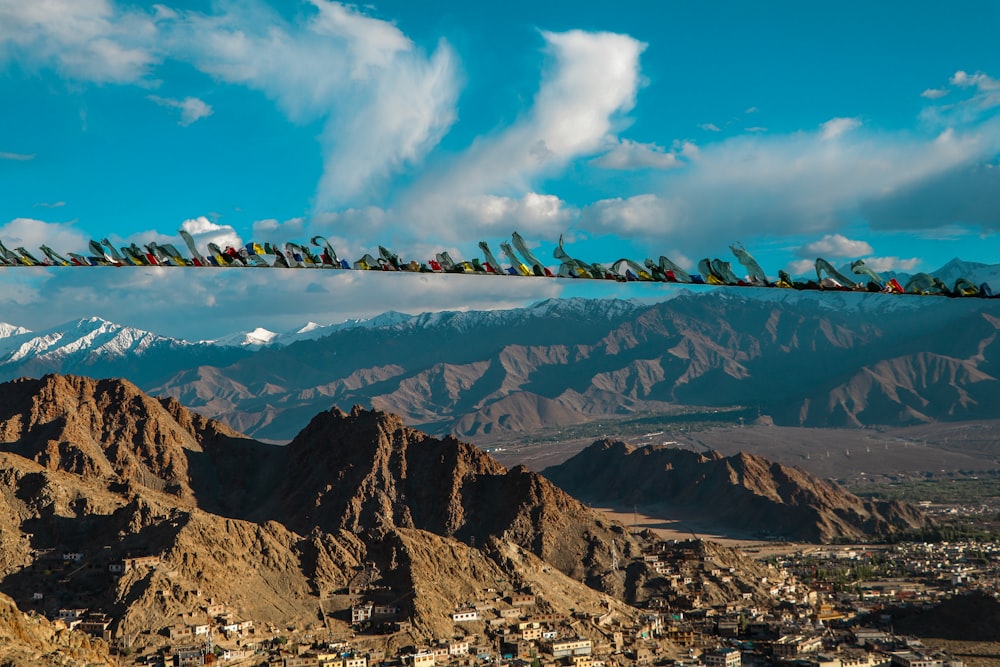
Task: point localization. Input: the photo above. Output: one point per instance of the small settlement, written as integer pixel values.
(815, 607)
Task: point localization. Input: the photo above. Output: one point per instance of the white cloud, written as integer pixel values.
(934, 93)
(835, 127)
(192, 108)
(55, 204)
(644, 214)
(90, 40)
(981, 96)
(204, 231)
(756, 129)
(19, 157)
(835, 245)
(32, 233)
(801, 183)
(385, 103)
(750, 110)
(544, 215)
(709, 127)
(978, 80)
(879, 264)
(591, 79)
(628, 155)
(801, 267)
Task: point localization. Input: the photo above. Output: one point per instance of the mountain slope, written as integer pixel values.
(98, 467)
(744, 492)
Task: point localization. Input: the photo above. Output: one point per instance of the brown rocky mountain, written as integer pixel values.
(33, 641)
(812, 359)
(743, 493)
(103, 471)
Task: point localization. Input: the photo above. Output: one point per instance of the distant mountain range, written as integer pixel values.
(802, 358)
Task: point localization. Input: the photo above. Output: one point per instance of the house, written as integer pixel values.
(68, 615)
(562, 649)
(423, 659)
(130, 564)
(188, 655)
(96, 624)
(361, 612)
(722, 657)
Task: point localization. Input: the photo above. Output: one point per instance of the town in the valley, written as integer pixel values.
(815, 606)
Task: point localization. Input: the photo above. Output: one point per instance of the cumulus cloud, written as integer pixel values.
(835, 245)
(628, 155)
(964, 194)
(19, 157)
(709, 127)
(191, 108)
(32, 233)
(542, 214)
(977, 95)
(204, 231)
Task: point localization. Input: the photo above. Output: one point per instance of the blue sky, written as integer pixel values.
(855, 130)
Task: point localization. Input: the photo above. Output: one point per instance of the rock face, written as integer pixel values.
(35, 642)
(744, 493)
(101, 469)
(367, 471)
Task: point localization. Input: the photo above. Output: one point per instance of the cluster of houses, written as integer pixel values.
(700, 608)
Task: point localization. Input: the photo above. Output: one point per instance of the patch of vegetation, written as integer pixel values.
(959, 490)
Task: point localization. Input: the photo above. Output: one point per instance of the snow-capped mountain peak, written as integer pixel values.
(8, 330)
(91, 338)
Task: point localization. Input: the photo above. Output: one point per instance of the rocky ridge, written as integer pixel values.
(744, 493)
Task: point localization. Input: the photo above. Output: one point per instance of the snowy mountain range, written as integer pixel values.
(805, 357)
